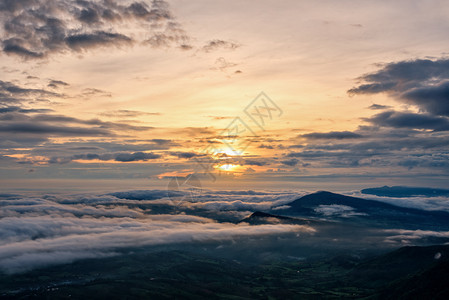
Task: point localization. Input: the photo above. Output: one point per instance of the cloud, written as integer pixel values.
(36, 28)
(21, 125)
(410, 120)
(338, 135)
(99, 149)
(9, 109)
(54, 229)
(90, 92)
(214, 45)
(120, 157)
(423, 202)
(402, 236)
(136, 156)
(394, 141)
(195, 131)
(57, 83)
(378, 106)
(80, 42)
(222, 64)
(290, 162)
(186, 155)
(421, 82)
(336, 210)
(13, 93)
(252, 162)
(32, 128)
(124, 113)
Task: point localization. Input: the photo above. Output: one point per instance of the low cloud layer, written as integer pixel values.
(48, 229)
(55, 229)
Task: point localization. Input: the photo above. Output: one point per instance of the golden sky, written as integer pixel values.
(141, 90)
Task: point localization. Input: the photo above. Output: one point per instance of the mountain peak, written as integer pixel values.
(259, 217)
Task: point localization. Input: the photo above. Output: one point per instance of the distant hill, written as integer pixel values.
(411, 273)
(400, 263)
(332, 206)
(259, 217)
(404, 191)
(432, 283)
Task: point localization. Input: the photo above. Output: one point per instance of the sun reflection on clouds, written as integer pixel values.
(227, 167)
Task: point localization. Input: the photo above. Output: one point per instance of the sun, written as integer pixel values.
(227, 167)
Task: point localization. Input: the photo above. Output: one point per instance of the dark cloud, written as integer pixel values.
(120, 157)
(98, 147)
(252, 162)
(29, 127)
(136, 156)
(290, 162)
(13, 93)
(378, 106)
(392, 143)
(58, 120)
(12, 46)
(33, 29)
(9, 109)
(338, 135)
(161, 141)
(186, 155)
(420, 82)
(57, 83)
(219, 44)
(185, 47)
(44, 129)
(409, 120)
(85, 41)
(432, 98)
(89, 15)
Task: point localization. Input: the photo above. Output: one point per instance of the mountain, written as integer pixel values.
(259, 217)
(406, 273)
(400, 263)
(432, 283)
(404, 191)
(332, 206)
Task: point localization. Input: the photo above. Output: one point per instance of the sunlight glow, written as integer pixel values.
(227, 167)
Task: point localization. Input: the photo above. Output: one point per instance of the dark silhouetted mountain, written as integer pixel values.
(404, 191)
(429, 284)
(410, 273)
(259, 217)
(331, 206)
(400, 263)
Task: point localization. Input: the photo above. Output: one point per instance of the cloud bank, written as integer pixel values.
(55, 229)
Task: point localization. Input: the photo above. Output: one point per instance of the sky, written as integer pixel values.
(334, 95)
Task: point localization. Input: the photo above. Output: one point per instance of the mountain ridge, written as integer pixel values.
(333, 206)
